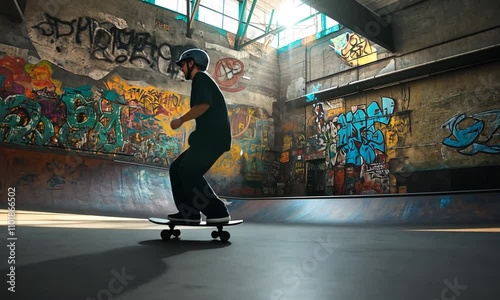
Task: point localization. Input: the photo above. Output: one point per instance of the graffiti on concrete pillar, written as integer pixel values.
(473, 134)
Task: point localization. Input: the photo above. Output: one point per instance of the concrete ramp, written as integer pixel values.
(62, 182)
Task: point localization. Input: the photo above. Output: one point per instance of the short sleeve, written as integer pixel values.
(201, 89)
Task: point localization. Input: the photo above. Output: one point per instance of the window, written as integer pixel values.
(175, 5)
(231, 16)
(225, 14)
(209, 12)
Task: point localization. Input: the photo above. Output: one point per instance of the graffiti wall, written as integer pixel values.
(127, 120)
(385, 141)
(105, 83)
(292, 156)
(103, 45)
(354, 144)
(473, 134)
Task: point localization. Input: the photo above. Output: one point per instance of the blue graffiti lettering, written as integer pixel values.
(478, 137)
(358, 136)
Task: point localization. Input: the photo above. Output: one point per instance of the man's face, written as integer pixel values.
(184, 68)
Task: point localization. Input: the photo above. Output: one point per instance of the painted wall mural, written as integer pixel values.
(473, 134)
(249, 159)
(292, 157)
(228, 72)
(355, 145)
(130, 121)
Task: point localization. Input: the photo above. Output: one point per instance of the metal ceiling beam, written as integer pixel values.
(270, 21)
(358, 18)
(190, 16)
(243, 7)
(14, 9)
(241, 37)
(277, 30)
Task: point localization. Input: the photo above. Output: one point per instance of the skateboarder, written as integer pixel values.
(210, 139)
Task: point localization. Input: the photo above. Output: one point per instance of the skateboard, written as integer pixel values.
(219, 233)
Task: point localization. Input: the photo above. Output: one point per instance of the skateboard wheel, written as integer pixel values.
(224, 236)
(165, 235)
(215, 234)
(176, 232)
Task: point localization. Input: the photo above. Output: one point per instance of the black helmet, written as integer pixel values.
(199, 56)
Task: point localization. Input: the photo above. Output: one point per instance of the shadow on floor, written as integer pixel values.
(103, 275)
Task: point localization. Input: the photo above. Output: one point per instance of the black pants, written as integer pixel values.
(190, 189)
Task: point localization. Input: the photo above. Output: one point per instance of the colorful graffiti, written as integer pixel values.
(250, 158)
(292, 159)
(129, 120)
(358, 136)
(227, 74)
(477, 133)
(356, 145)
(354, 49)
(122, 119)
(111, 43)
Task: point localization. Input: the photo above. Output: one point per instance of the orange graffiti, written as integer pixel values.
(241, 119)
(227, 164)
(163, 105)
(41, 77)
(285, 157)
(287, 142)
(14, 78)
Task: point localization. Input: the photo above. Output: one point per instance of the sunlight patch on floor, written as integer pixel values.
(64, 220)
(482, 229)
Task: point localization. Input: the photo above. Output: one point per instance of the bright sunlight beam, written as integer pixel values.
(292, 11)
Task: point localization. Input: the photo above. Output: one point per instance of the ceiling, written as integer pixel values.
(14, 9)
(365, 17)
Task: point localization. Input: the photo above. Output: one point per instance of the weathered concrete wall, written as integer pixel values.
(94, 78)
(377, 141)
(426, 31)
(77, 183)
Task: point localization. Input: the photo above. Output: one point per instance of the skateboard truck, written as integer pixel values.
(220, 233)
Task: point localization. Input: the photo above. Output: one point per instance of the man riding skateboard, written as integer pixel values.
(210, 139)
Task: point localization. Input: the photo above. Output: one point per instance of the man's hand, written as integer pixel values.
(176, 123)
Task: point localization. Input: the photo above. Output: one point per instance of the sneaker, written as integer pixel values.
(219, 219)
(191, 219)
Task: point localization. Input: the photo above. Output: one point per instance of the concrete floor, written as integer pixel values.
(84, 257)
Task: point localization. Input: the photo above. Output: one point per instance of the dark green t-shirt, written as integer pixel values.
(213, 129)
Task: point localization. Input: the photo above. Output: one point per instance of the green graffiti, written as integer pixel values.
(92, 124)
(112, 121)
(22, 122)
(80, 112)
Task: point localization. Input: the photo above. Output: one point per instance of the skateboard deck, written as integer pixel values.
(219, 233)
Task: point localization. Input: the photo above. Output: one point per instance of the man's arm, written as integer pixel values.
(195, 111)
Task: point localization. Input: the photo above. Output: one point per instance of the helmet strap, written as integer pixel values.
(190, 70)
